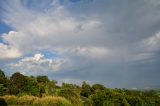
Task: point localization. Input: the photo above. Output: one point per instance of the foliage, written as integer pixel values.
(35, 101)
(27, 90)
(51, 101)
(32, 87)
(98, 88)
(18, 82)
(50, 88)
(42, 79)
(70, 95)
(86, 90)
(2, 77)
(2, 89)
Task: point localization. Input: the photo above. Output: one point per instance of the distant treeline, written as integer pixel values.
(39, 91)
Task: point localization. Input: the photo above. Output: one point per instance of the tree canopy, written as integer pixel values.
(84, 95)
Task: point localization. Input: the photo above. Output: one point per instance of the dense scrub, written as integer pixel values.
(40, 91)
(35, 101)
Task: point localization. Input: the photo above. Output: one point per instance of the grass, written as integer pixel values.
(36, 101)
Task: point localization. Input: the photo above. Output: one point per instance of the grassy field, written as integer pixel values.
(34, 101)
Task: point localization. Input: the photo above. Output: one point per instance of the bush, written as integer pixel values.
(51, 101)
(35, 101)
(70, 95)
(10, 99)
(26, 100)
(86, 101)
(134, 100)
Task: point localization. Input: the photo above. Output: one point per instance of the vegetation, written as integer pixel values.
(40, 91)
(36, 101)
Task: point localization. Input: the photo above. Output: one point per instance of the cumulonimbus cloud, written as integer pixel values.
(115, 38)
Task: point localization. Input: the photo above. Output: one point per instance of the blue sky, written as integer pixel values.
(111, 42)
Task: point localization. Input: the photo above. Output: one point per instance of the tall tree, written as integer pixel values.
(3, 83)
(42, 82)
(32, 86)
(86, 89)
(18, 82)
(98, 88)
(2, 77)
(42, 79)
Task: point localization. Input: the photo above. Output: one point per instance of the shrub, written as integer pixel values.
(70, 95)
(10, 99)
(87, 102)
(35, 101)
(51, 101)
(26, 100)
(134, 100)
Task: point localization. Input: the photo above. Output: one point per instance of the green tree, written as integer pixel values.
(50, 88)
(42, 83)
(32, 86)
(18, 82)
(3, 83)
(86, 90)
(70, 95)
(2, 77)
(98, 88)
(42, 79)
(134, 100)
(98, 98)
(2, 89)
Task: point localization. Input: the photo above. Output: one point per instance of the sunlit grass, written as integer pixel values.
(36, 101)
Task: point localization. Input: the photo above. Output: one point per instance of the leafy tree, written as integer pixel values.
(42, 83)
(70, 86)
(70, 95)
(86, 90)
(74, 87)
(2, 89)
(18, 82)
(3, 83)
(98, 88)
(134, 100)
(50, 88)
(42, 79)
(32, 86)
(2, 77)
(98, 98)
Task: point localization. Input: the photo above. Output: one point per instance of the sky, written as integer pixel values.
(111, 42)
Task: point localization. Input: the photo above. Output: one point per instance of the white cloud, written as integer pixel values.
(38, 64)
(96, 39)
(15, 40)
(152, 43)
(90, 52)
(38, 57)
(8, 52)
(48, 30)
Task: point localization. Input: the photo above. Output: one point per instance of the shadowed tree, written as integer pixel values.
(18, 82)
(86, 89)
(32, 86)
(3, 83)
(98, 88)
(2, 77)
(42, 79)
(42, 82)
